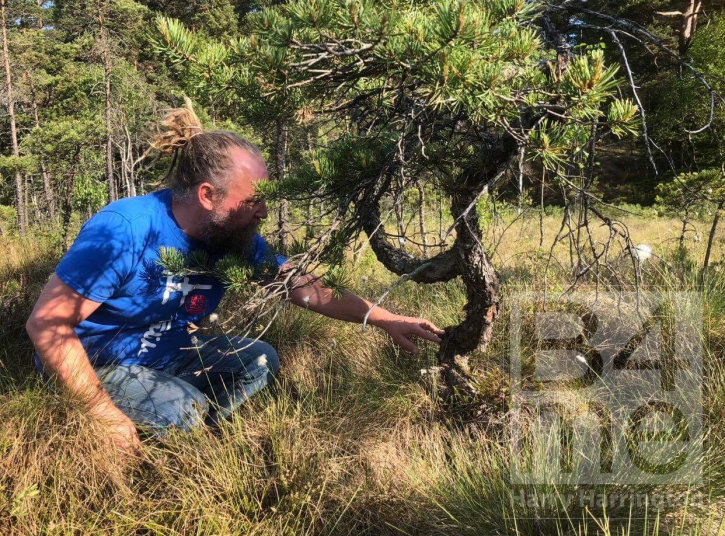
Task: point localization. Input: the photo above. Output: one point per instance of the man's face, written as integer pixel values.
(235, 218)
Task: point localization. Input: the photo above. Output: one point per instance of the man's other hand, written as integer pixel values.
(405, 328)
(119, 430)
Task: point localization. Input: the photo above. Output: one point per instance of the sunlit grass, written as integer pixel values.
(350, 440)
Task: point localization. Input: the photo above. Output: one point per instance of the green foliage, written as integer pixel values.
(173, 261)
(490, 81)
(621, 118)
(338, 279)
(8, 218)
(24, 164)
(198, 259)
(692, 191)
(59, 77)
(89, 194)
(234, 272)
(679, 101)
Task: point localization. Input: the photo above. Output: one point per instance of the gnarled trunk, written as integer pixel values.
(482, 293)
(466, 258)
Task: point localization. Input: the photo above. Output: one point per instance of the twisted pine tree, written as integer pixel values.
(457, 94)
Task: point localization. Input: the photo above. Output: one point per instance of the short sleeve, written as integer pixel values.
(263, 255)
(100, 259)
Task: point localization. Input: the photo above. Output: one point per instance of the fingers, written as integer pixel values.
(406, 344)
(430, 326)
(427, 335)
(125, 438)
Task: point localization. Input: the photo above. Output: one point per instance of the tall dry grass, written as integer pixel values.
(349, 441)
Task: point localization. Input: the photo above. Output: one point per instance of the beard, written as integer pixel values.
(222, 237)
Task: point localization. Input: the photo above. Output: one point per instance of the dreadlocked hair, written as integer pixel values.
(198, 155)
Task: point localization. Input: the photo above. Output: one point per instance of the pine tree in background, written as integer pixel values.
(20, 204)
(58, 62)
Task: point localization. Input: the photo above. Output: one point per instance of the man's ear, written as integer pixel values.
(205, 195)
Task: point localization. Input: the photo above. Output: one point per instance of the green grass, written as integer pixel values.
(350, 441)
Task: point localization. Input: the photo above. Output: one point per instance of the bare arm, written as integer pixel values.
(50, 326)
(311, 294)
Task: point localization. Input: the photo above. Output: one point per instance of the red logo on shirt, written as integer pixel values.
(196, 304)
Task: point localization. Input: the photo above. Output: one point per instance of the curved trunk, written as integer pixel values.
(442, 267)
(482, 293)
(466, 258)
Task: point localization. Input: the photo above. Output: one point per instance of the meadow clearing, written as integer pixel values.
(351, 440)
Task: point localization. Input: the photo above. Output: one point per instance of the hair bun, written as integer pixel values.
(177, 128)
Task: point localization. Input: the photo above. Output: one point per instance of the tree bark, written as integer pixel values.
(421, 217)
(685, 221)
(127, 171)
(19, 198)
(107, 66)
(711, 238)
(442, 267)
(466, 258)
(283, 230)
(309, 227)
(482, 291)
(688, 25)
(563, 48)
(47, 189)
(398, 206)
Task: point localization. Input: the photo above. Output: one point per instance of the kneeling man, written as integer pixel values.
(112, 326)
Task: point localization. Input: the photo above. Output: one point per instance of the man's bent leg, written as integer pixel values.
(153, 398)
(229, 370)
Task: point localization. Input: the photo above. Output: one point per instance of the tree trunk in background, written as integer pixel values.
(19, 198)
(685, 221)
(47, 189)
(309, 228)
(688, 25)
(26, 200)
(398, 206)
(106, 55)
(283, 230)
(421, 216)
(440, 219)
(711, 238)
(129, 155)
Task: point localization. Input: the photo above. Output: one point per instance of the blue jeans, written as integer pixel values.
(206, 384)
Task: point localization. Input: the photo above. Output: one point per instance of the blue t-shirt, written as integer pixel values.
(145, 311)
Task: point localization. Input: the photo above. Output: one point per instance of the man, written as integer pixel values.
(112, 326)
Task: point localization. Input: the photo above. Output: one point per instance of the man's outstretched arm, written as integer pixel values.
(50, 326)
(311, 294)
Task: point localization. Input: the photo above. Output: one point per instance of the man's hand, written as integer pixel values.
(51, 328)
(120, 430)
(402, 328)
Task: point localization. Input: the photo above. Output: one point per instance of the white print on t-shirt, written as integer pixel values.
(180, 286)
(154, 332)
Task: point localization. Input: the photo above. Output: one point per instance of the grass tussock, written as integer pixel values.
(349, 441)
